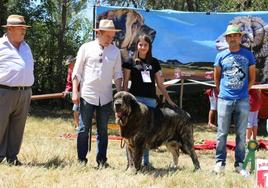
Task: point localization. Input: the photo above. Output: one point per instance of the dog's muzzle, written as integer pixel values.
(117, 105)
(117, 108)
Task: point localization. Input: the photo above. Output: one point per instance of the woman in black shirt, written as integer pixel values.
(144, 71)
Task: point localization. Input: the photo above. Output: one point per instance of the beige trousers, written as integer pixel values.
(14, 107)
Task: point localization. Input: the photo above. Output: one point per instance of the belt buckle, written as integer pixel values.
(20, 88)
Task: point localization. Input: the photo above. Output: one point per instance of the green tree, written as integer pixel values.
(3, 14)
(57, 30)
(196, 5)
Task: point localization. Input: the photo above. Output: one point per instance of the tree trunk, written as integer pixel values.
(61, 42)
(190, 5)
(62, 29)
(3, 14)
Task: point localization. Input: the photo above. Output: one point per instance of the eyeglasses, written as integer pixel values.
(100, 60)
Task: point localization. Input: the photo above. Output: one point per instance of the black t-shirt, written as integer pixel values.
(138, 86)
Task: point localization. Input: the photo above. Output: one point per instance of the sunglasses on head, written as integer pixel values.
(100, 60)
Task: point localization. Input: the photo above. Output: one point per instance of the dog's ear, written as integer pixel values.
(119, 94)
(134, 103)
(126, 97)
(131, 100)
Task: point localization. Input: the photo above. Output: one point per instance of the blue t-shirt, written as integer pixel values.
(234, 73)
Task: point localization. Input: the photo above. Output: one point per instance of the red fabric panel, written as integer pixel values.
(263, 113)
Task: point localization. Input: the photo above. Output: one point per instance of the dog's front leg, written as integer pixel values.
(137, 157)
(130, 161)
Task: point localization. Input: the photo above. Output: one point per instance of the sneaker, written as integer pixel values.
(239, 169)
(219, 168)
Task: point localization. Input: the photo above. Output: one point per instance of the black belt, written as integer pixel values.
(18, 88)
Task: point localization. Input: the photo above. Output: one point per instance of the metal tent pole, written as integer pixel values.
(181, 92)
(94, 21)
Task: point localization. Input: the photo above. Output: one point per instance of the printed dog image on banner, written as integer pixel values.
(132, 25)
(255, 38)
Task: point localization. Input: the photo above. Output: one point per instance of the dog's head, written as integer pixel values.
(132, 25)
(253, 29)
(124, 103)
(254, 37)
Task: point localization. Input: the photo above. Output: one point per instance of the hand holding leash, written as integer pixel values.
(171, 103)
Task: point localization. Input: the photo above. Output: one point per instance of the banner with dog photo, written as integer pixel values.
(188, 37)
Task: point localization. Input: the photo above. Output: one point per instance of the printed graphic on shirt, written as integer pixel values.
(146, 76)
(234, 71)
(143, 66)
(147, 67)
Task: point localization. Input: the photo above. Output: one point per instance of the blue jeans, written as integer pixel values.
(85, 124)
(226, 108)
(150, 102)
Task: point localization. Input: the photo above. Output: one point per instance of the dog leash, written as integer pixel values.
(89, 140)
(123, 143)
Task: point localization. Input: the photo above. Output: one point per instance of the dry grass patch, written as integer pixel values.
(51, 161)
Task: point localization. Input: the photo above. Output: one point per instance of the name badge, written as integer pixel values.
(146, 76)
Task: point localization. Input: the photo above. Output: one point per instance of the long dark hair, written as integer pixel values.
(148, 58)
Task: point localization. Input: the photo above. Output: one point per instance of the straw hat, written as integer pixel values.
(106, 25)
(15, 20)
(231, 29)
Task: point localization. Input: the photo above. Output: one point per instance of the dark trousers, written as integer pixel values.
(85, 123)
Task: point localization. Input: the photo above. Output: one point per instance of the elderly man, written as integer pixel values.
(234, 74)
(16, 79)
(97, 63)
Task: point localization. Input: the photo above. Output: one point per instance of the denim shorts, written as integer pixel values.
(213, 102)
(253, 119)
(76, 107)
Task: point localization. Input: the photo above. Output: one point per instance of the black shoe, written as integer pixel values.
(148, 166)
(103, 165)
(83, 161)
(15, 162)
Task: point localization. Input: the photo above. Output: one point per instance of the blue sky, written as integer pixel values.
(88, 12)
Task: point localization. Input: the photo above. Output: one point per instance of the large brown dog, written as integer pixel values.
(142, 128)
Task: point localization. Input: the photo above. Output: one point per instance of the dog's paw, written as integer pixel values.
(146, 168)
(197, 170)
(175, 167)
(131, 171)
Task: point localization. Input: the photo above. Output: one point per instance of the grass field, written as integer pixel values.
(51, 161)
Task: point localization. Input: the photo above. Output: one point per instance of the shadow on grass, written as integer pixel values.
(55, 162)
(49, 112)
(205, 128)
(161, 172)
(57, 112)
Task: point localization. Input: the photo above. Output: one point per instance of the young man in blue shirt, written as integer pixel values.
(234, 74)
